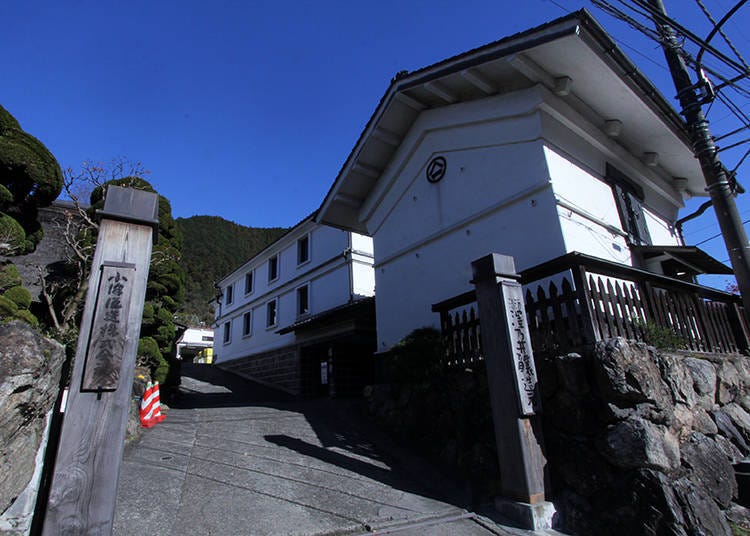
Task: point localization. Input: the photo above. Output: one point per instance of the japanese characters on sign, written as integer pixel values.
(108, 328)
(520, 346)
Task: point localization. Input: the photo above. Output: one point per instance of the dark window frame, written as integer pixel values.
(250, 282)
(273, 268)
(629, 199)
(303, 250)
(303, 300)
(272, 313)
(247, 324)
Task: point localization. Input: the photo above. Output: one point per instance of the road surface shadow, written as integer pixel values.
(341, 424)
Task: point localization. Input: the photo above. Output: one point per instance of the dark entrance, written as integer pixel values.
(335, 349)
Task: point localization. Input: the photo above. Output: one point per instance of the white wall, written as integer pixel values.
(328, 275)
(495, 198)
(509, 169)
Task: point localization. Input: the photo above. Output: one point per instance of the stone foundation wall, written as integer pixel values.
(643, 442)
(637, 441)
(278, 368)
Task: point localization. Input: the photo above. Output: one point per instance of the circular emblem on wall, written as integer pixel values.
(436, 169)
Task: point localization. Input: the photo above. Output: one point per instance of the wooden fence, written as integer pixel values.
(575, 300)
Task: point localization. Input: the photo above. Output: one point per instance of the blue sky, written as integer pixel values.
(248, 109)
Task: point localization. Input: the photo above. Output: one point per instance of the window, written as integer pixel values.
(227, 332)
(273, 268)
(229, 296)
(272, 313)
(303, 249)
(248, 282)
(629, 197)
(247, 324)
(303, 300)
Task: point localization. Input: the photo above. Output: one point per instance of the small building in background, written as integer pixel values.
(300, 314)
(196, 345)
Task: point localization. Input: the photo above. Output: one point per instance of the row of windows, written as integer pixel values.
(303, 255)
(272, 314)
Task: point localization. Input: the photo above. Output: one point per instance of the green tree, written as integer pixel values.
(65, 291)
(165, 290)
(30, 178)
(214, 247)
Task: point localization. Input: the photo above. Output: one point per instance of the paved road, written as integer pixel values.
(236, 458)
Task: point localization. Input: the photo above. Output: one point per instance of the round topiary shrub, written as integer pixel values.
(7, 307)
(148, 352)
(7, 121)
(416, 357)
(9, 276)
(6, 197)
(19, 295)
(29, 169)
(12, 235)
(162, 371)
(27, 316)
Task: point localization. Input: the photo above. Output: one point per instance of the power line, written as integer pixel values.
(717, 235)
(660, 18)
(717, 28)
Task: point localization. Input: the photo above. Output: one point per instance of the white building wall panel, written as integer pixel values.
(327, 274)
(409, 284)
(363, 278)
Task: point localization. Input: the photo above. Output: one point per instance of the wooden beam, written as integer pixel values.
(366, 170)
(348, 200)
(386, 136)
(531, 70)
(479, 81)
(439, 90)
(411, 102)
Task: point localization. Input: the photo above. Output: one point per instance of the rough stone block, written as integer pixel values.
(740, 419)
(627, 374)
(710, 468)
(637, 443)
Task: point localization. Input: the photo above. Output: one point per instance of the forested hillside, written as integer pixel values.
(212, 248)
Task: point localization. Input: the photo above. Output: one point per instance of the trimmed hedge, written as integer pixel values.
(20, 296)
(7, 121)
(28, 169)
(12, 234)
(7, 307)
(27, 316)
(9, 276)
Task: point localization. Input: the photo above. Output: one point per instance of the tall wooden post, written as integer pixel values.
(514, 393)
(84, 482)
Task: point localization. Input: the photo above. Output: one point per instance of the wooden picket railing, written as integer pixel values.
(575, 300)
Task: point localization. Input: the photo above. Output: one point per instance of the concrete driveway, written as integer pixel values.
(234, 458)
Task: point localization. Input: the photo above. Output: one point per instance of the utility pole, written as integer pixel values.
(717, 182)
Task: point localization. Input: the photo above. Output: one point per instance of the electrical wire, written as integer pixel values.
(717, 28)
(652, 34)
(662, 19)
(717, 235)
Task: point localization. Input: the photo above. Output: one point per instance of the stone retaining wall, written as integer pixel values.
(637, 441)
(643, 442)
(279, 368)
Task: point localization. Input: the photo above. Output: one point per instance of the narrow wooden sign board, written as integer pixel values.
(84, 482)
(109, 327)
(514, 392)
(519, 341)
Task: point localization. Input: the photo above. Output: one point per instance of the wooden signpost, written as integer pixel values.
(84, 482)
(514, 393)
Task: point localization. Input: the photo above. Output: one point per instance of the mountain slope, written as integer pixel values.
(212, 248)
